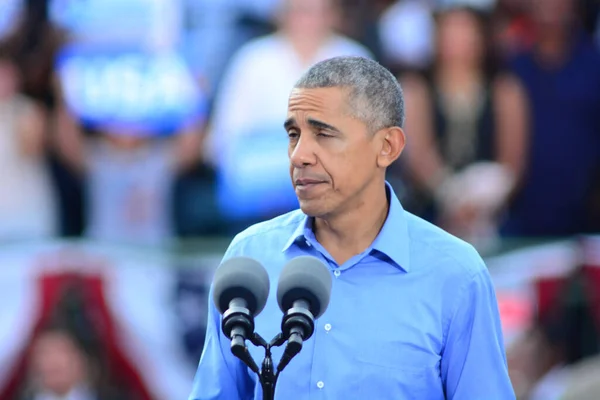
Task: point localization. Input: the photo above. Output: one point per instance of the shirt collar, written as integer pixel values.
(392, 240)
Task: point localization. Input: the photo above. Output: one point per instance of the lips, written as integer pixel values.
(308, 181)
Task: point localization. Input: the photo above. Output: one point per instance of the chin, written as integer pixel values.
(311, 209)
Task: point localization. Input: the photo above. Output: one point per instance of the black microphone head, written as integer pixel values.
(305, 278)
(241, 277)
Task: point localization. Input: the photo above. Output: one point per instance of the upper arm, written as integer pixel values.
(187, 146)
(69, 139)
(512, 123)
(474, 359)
(32, 131)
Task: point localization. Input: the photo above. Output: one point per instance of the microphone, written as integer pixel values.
(303, 294)
(240, 289)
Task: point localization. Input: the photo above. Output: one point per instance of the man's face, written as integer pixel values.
(333, 156)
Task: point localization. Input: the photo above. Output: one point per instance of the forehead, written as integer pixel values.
(330, 102)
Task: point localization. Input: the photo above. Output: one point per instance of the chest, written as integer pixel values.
(381, 333)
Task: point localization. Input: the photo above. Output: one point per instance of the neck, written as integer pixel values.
(458, 75)
(306, 47)
(349, 233)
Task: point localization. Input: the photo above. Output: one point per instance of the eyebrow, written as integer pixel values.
(322, 125)
(291, 122)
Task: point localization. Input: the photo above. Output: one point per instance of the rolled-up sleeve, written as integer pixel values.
(473, 362)
(220, 374)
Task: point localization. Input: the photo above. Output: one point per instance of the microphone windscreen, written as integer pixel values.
(305, 278)
(241, 277)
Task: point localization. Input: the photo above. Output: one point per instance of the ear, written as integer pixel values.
(392, 145)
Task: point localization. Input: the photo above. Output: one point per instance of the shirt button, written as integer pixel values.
(320, 384)
(327, 327)
(336, 273)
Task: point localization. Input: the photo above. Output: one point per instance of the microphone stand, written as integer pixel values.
(267, 375)
(297, 324)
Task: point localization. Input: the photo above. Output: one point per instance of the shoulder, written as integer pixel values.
(451, 257)
(267, 235)
(347, 46)
(255, 49)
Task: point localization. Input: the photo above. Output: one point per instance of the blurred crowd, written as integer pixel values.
(503, 117)
(503, 129)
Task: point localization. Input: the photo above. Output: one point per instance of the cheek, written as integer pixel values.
(350, 168)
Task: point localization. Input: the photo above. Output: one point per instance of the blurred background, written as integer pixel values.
(138, 136)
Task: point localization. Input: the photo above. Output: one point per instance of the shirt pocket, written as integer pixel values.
(398, 371)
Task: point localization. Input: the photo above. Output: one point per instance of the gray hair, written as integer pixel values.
(375, 96)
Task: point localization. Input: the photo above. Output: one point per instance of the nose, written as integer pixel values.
(302, 153)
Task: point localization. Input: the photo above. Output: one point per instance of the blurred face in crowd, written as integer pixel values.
(8, 79)
(57, 363)
(552, 14)
(460, 38)
(123, 138)
(308, 19)
(334, 158)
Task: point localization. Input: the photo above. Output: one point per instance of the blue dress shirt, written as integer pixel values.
(412, 317)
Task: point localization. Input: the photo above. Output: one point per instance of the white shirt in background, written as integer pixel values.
(129, 194)
(27, 202)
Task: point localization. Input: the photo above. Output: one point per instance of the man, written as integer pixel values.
(413, 313)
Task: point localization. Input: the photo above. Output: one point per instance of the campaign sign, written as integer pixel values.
(118, 87)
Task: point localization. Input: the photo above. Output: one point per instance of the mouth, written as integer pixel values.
(306, 183)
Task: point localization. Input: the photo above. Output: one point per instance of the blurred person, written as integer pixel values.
(359, 20)
(413, 313)
(568, 341)
(464, 118)
(561, 152)
(129, 175)
(589, 10)
(513, 28)
(59, 368)
(35, 41)
(251, 100)
(217, 29)
(27, 204)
